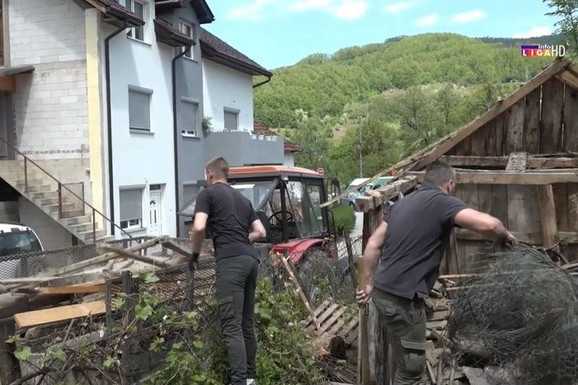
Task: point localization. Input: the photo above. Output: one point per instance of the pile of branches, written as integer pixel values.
(520, 315)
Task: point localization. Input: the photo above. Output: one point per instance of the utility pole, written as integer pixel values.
(360, 152)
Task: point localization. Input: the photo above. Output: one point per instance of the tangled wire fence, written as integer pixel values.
(521, 315)
(146, 316)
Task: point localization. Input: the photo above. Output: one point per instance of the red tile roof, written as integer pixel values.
(219, 51)
(288, 146)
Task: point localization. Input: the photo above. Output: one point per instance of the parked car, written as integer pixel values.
(16, 239)
(377, 183)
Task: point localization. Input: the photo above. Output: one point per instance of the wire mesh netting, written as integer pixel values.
(521, 315)
(148, 311)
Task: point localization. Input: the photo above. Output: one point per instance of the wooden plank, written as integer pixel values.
(338, 325)
(515, 127)
(323, 317)
(534, 238)
(568, 237)
(384, 194)
(57, 314)
(552, 105)
(572, 207)
(485, 198)
(517, 162)
(561, 204)
(108, 256)
(490, 138)
(552, 163)
(422, 158)
(568, 78)
(439, 325)
(532, 162)
(500, 203)
(500, 136)
(476, 161)
(304, 299)
(319, 309)
(478, 141)
(547, 215)
(571, 120)
(350, 326)
(503, 177)
(470, 195)
(463, 148)
(75, 289)
(327, 324)
(532, 121)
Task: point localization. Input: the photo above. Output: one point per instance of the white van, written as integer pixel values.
(15, 239)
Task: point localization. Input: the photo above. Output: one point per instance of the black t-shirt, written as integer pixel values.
(418, 229)
(230, 218)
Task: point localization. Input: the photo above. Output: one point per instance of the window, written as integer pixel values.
(137, 8)
(189, 119)
(231, 120)
(309, 220)
(189, 30)
(16, 242)
(139, 110)
(131, 208)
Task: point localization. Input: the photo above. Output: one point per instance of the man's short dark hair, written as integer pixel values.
(439, 173)
(218, 167)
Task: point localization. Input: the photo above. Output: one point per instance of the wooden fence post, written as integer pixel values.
(377, 336)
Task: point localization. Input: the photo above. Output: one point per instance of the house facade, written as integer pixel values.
(289, 148)
(103, 104)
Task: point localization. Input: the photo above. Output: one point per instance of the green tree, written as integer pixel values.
(567, 12)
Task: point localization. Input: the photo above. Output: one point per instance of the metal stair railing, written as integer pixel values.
(62, 187)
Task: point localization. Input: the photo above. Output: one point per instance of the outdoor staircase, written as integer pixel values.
(66, 208)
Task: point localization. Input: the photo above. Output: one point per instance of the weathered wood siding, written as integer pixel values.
(544, 122)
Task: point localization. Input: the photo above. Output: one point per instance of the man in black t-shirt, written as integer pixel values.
(411, 240)
(233, 227)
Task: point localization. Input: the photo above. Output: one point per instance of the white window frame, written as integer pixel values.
(182, 27)
(129, 5)
(190, 133)
(133, 223)
(149, 93)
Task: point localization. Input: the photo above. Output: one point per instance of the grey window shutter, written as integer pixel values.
(130, 204)
(231, 123)
(139, 110)
(189, 116)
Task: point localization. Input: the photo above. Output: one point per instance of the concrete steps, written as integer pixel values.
(42, 191)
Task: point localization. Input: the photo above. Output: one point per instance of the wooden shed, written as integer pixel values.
(517, 162)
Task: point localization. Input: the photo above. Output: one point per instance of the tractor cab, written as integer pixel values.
(287, 200)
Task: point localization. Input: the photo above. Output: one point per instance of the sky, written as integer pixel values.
(278, 33)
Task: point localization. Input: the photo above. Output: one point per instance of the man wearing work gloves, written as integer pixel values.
(233, 227)
(402, 259)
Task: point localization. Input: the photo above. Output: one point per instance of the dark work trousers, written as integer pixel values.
(405, 321)
(235, 283)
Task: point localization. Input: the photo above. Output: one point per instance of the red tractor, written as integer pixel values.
(288, 203)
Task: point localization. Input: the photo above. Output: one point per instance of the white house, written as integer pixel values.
(101, 105)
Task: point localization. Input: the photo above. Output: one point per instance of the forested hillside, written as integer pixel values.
(400, 95)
